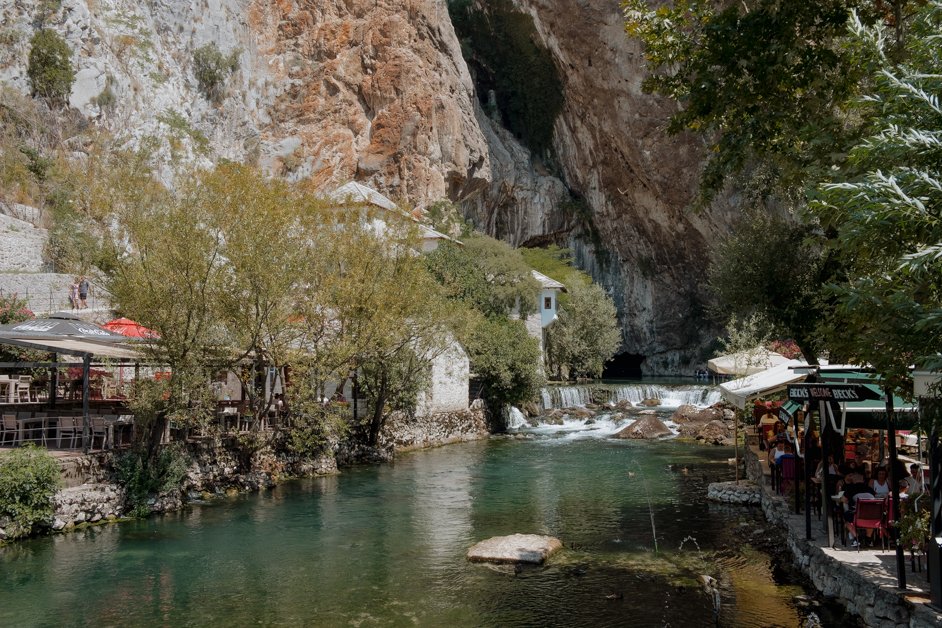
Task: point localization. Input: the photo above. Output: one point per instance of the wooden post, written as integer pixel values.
(894, 488)
(86, 424)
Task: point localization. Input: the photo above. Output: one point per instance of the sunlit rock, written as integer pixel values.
(516, 548)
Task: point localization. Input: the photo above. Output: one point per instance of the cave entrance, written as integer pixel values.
(624, 366)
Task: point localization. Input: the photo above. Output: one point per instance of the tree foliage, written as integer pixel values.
(486, 275)
(212, 69)
(506, 359)
(585, 334)
(773, 266)
(29, 478)
(50, 66)
(885, 209)
(760, 81)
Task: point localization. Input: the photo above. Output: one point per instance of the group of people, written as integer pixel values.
(855, 481)
(78, 293)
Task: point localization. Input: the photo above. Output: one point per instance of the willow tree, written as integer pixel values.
(886, 210)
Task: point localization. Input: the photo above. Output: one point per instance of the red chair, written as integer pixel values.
(870, 514)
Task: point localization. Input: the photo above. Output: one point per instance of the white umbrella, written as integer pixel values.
(746, 362)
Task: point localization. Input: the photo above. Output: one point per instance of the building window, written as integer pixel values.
(547, 303)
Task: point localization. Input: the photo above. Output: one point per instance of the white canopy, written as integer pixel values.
(746, 362)
(739, 391)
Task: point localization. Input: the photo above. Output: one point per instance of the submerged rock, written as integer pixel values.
(645, 427)
(651, 402)
(516, 548)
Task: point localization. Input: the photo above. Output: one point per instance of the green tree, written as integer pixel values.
(486, 274)
(50, 67)
(774, 266)
(885, 207)
(762, 81)
(212, 69)
(506, 359)
(585, 334)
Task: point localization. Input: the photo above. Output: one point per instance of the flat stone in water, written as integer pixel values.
(516, 548)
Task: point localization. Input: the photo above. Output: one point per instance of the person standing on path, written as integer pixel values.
(83, 292)
(74, 294)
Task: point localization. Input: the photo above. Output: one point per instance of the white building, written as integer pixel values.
(547, 307)
(355, 194)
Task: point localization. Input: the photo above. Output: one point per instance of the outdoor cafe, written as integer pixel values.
(66, 387)
(820, 429)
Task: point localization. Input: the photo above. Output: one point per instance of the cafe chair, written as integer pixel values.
(9, 430)
(69, 426)
(24, 389)
(870, 515)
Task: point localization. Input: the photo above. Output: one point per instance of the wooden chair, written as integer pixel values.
(99, 430)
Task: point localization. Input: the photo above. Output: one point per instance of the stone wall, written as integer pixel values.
(448, 389)
(875, 605)
(402, 432)
(21, 245)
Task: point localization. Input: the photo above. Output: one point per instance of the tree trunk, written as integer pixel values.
(376, 423)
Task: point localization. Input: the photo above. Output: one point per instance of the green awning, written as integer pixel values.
(871, 414)
(787, 410)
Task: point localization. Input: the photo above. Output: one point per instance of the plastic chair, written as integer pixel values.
(9, 429)
(870, 514)
(68, 426)
(23, 393)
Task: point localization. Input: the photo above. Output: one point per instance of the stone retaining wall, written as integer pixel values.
(403, 432)
(742, 492)
(875, 605)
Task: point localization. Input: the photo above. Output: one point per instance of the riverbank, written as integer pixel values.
(91, 494)
(863, 581)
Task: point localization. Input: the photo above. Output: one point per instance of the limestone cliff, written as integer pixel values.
(649, 249)
(378, 91)
(373, 90)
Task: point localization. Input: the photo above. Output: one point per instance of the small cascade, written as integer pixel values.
(566, 397)
(669, 396)
(514, 418)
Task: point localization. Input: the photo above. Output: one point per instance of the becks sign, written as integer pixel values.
(832, 392)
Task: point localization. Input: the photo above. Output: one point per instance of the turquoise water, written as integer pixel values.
(385, 546)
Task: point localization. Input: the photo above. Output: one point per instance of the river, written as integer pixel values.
(384, 545)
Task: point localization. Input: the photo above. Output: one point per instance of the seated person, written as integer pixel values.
(913, 484)
(854, 489)
(777, 451)
(880, 485)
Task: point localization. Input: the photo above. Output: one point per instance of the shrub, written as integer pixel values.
(141, 478)
(211, 68)
(29, 478)
(50, 66)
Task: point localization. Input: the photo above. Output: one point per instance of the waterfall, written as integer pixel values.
(566, 396)
(670, 396)
(515, 418)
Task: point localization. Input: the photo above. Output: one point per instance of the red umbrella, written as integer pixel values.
(129, 328)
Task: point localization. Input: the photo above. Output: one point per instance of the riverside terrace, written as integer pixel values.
(865, 580)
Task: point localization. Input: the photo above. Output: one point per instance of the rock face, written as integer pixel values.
(516, 548)
(377, 90)
(645, 427)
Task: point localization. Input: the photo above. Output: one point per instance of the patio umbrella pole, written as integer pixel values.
(86, 427)
(894, 487)
(53, 380)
